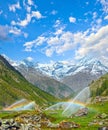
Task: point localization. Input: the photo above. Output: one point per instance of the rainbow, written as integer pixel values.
(73, 107)
(77, 103)
(21, 105)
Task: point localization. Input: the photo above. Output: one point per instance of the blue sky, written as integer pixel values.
(54, 30)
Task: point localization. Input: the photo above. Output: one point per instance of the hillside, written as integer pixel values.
(13, 87)
(100, 86)
(44, 82)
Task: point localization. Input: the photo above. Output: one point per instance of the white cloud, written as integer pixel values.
(53, 41)
(8, 31)
(104, 5)
(59, 31)
(30, 2)
(106, 17)
(90, 42)
(13, 22)
(28, 46)
(40, 40)
(27, 20)
(49, 52)
(30, 59)
(95, 44)
(72, 19)
(54, 12)
(94, 15)
(99, 21)
(28, 8)
(14, 7)
(37, 14)
(25, 34)
(15, 31)
(65, 42)
(57, 23)
(58, 43)
(37, 42)
(96, 24)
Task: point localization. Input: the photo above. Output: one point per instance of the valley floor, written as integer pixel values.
(97, 117)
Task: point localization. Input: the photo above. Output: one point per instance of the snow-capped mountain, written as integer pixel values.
(76, 76)
(59, 70)
(92, 66)
(56, 70)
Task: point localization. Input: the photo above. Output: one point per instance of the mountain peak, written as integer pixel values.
(27, 63)
(88, 60)
(59, 69)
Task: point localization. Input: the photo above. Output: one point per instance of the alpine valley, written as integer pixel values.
(53, 96)
(53, 64)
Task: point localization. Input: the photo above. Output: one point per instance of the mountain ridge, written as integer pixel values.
(76, 76)
(59, 70)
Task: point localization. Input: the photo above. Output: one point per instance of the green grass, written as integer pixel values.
(14, 114)
(57, 117)
(94, 110)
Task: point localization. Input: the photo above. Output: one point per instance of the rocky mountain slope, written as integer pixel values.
(79, 81)
(84, 73)
(13, 87)
(44, 82)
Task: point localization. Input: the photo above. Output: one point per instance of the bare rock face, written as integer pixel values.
(34, 122)
(102, 116)
(103, 128)
(100, 120)
(100, 99)
(9, 124)
(82, 112)
(68, 125)
(79, 80)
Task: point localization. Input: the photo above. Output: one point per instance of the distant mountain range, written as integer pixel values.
(74, 76)
(59, 70)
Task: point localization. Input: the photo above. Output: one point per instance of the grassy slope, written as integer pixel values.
(100, 86)
(13, 86)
